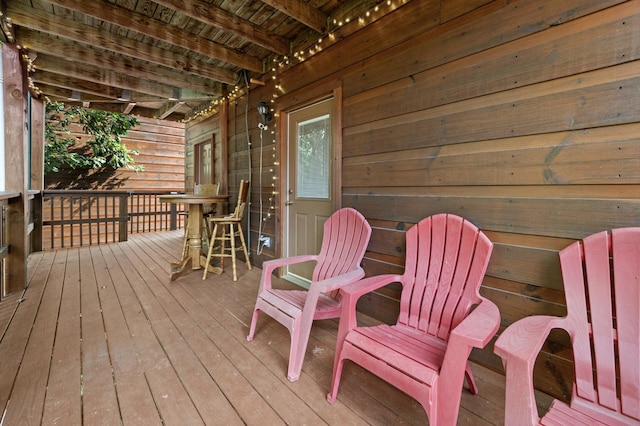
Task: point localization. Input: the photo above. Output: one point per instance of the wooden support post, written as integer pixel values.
(37, 170)
(16, 166)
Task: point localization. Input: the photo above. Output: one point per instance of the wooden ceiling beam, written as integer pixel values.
(92, 92)
(168, 109)
(40, 20)
(70, 83)
(55, 72)
(52, 64)
(205, 12)
(301, 12)
(62, 94)
(77, 54)
(109, 107)
(143, 24)
(89, 96)
(129, 108)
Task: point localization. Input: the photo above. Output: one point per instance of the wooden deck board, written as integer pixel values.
(135, 399)
(170, 395)
(104, 337)
(28, 393)
(15, 338)
(63, 399)
(172, 327)
(243, 361)
(271, 385)
(272, 342)
(99, 400)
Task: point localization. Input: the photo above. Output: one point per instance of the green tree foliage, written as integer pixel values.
(104, 149)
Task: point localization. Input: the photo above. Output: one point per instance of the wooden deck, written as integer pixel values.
(101, 336)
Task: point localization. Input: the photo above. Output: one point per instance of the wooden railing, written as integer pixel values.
(81, 218)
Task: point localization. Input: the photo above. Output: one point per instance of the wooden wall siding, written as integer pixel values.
(161, 146)
(451, 9)
(521, 116)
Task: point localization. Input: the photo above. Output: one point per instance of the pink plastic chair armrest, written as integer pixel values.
(524, 338)
(271, 265)
(339, 281)
(349, 298)
(479, 326)
(518, 346)
(367, 285)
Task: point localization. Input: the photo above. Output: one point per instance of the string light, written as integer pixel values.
(369, 16)
(282, 63)
(285, 62)
(212, 108)
(28, 60)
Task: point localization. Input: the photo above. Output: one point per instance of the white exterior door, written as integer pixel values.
(309, 187)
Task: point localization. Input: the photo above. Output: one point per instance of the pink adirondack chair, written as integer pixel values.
(425, 354)
(345, 238)
(601, 276)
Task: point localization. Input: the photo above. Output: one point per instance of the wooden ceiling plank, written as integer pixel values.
(220, 18)
(98, 75)
(301, 12)
(94, 74)
(158, 30)
(154, 48)
(142, 91)
(40, 20)
(72, 52)
(75, 84)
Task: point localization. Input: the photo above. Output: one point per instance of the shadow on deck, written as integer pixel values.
(101, 336)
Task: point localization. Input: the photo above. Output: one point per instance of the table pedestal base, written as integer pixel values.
(193, 259)
(178, 268)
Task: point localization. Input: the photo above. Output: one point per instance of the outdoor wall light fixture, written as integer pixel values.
(264, 111)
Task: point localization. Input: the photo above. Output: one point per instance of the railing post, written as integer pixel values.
(124, 216)
(36, 218)
(173, 217)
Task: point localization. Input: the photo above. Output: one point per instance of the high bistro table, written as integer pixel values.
(194, 257)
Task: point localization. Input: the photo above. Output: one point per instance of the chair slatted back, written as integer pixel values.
(206, 189)
(344, 242)
(243, 193)
(601, 276)
(446, 258)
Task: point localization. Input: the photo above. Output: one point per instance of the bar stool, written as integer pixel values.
(231, 227)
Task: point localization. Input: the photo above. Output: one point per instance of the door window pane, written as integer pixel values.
(314, 158)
